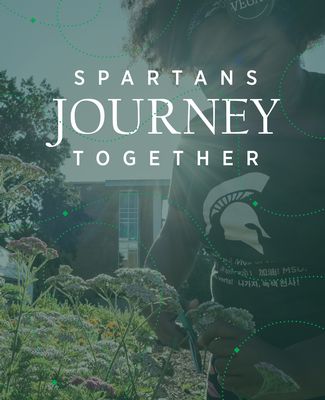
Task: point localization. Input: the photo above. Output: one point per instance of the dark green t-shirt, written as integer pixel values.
(265, 225)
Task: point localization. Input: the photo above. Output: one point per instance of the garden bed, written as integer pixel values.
(185, 384)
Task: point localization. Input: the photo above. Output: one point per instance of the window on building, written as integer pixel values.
(129, 229)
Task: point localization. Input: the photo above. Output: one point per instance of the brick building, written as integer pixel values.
(126, 217)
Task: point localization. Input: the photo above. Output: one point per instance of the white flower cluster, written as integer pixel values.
(275, 381)
(147, 276)
(40, 318)
(209, 312)
(72, 321)
(140, 294)
(48, 352)
(72, 285)
(145, 286)
(106, 346)
(102, 283)
(14, 175)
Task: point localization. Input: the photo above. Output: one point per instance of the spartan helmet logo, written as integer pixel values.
(238, 219)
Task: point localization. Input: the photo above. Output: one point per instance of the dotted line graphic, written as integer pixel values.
(278, 213)
(238, 155)
(287, 215)
(200, 229)
(169, 23)
(228, 263)
(275, 213)
(284, 111)
(239, 347)
(60, 28)
(39, 21)
(197, 226)
(66, 213)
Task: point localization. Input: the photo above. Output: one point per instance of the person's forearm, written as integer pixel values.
(310, 358)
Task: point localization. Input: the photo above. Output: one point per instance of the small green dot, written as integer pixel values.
(54, 382)
(236, 350)
(65, 213)
(255, 203)
(33, 20)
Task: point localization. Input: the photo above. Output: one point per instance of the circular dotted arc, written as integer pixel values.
(259, 330)
(284, 111)
(76, 48)
(39, 21)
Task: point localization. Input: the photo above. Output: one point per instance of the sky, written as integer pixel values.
(53, 38)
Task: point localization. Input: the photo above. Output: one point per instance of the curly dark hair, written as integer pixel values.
(159, 27)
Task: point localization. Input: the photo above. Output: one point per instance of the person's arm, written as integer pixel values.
(173, 254)
(304, 362)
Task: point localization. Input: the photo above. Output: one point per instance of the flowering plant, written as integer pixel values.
(94, 384)
(73, 350)
(14, 176)
(146, 286)
(207, 313)
(15, 173)
(26, 249)
(70, 285)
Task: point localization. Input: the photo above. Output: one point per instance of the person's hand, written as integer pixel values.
(168, 332)
(239, 375)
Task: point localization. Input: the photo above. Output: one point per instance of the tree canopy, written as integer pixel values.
(27, 121)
